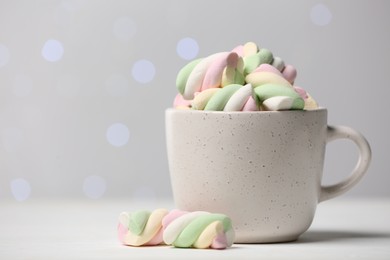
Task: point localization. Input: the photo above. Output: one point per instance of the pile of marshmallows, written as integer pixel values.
(248, 78)
(198, 229)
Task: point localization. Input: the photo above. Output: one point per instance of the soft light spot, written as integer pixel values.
(124, 29)
(187, 48)
(52, 50)
(94, 186)
(143, 71)
(320, 15)
(4, 55)
(12, 138)
(117, 85)
(20, 189)
(68, 85)
(23, 85)
(118, 134)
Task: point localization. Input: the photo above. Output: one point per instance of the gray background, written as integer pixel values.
(56, 117)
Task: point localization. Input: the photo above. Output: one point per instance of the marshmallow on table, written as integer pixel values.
(198, 229)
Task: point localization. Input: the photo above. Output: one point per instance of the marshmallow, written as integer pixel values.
(278, 63)
(230, 74)
(183, 229)
(141, 228)
(195, 78)
(289, 73)
(213, 76)
(237, 101)
(250, 48)
(198, 229)
(202, 98)
(251, 62)
(218, 101)
(184, 73)
(180, 102)
(260, 78)
(266, 91)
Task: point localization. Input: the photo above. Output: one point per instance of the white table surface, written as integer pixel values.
(86, 229)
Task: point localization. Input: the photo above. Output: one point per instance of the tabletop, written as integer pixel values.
(343, 228)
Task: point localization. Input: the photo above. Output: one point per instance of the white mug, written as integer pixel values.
(263, 169)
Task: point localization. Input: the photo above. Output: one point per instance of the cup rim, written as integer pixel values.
(172, 109)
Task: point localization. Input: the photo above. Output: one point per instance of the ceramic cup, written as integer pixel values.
(263, 169)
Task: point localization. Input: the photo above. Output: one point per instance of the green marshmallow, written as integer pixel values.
(218, 101)
(138, 221)
(266, 91)
(193, 230)
(239, 78)
(251, 62)
(184, 73)
(232, 76)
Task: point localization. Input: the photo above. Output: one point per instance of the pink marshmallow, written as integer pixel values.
(301, 92)
(157, 239)
(219, 242)
(180, 101)
(239, 50)
(213, 76)
(174, 214)
(289, 73)
(250, 105)
(122, 231)
(268, 68)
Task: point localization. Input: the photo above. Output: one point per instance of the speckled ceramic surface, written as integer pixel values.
(263, 169)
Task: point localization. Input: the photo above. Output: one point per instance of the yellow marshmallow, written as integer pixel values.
(208, 235)
(250, 48)
(310, 103)
(152, 227)
(201, 99)
(263, 77)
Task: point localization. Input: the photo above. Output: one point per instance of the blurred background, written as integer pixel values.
(84, 85)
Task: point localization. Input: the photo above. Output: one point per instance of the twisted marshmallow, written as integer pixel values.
(272, 91)
(197, 229)
(208, 72)
(141, 227)
(178, 228)
(234, 97)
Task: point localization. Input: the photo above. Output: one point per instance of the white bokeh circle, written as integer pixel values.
(12, 138)
(124, 28)
(21, 189)
(320, 15)
(22, 86)
(143, 71)
(52, 50)
(94, 186)
(4, 55)
(187, 48)
(117, 85)
(118, 134)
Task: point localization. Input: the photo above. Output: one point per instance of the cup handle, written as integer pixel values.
(344, 132)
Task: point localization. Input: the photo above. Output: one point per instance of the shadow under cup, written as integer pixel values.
(263, 169)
